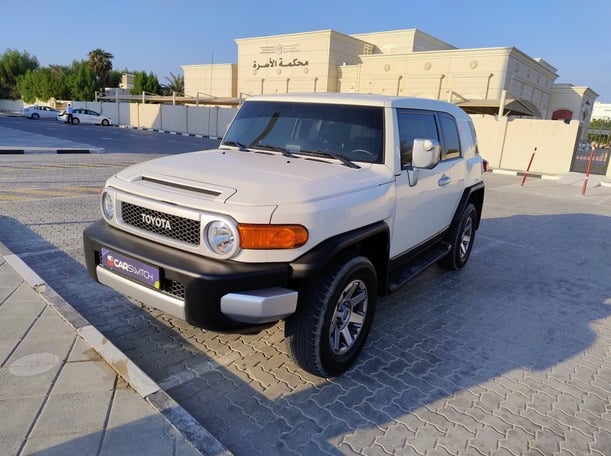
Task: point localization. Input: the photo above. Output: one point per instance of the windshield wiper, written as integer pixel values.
(239, 145)
(272, 147)
(320, 153)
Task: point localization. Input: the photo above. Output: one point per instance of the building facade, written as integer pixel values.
(601, 111)
(400, 62)
(495, 85)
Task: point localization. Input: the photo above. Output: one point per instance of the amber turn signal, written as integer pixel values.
(272, 236)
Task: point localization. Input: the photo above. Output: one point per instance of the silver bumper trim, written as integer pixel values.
(147, 296)
(260, 306)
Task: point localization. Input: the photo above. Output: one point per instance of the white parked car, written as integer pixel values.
(39, 112)
(86, 116)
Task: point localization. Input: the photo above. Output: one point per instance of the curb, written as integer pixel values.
(192, 431)
(509, 172)
(130, 127)
(46, 150)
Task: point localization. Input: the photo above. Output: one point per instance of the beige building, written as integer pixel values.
(601, 111)
(206, 81)
(401, 62)
(496, 85)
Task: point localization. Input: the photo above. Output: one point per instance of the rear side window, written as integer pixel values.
(415, 125)
(451, 141)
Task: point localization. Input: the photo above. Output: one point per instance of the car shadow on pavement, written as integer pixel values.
(446, 354)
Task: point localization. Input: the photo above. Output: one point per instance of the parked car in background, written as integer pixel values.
(39, 112)
(86, 116)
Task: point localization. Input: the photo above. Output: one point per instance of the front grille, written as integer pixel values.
(173, 288)
(167, 225)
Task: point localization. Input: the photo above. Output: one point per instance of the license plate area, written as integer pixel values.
(136, 270)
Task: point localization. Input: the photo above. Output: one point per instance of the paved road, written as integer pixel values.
(509, 356)
(25, 133)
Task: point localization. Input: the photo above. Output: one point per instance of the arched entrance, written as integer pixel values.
(562, 114)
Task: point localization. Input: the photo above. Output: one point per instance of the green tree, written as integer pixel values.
(113, 78)
(12, 65)
(43, 84)
(81, 81)
(100, 62)
(27, 87)
(600, 123)
(144, 82)
(176, 83)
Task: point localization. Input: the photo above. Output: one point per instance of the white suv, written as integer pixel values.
(312, 207)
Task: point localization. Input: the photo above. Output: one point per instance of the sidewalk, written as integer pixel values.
(59, 393)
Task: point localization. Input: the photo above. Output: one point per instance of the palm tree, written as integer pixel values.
(176, 83)
(100, 62)
(59, 70)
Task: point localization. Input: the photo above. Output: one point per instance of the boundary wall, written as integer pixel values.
(507, 143)
(209, 121)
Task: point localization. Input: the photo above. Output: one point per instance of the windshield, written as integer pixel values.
(318, 129)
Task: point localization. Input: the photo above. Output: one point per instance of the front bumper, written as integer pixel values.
(209, 293)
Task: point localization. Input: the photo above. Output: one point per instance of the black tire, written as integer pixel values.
(75, 121)
(35, 116)
(461, 237)
(105, 122)
(333, 317)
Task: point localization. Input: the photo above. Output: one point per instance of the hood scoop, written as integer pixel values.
(205, 191)
(184, 187)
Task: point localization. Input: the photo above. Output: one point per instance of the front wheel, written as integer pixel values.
(75, 121)
(35, 116)
(105, 122)
(461, 237)
(334, 316)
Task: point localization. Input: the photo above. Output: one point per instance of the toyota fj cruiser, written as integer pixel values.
(312, 207)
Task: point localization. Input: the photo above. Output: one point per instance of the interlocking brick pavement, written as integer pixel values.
(509, 356)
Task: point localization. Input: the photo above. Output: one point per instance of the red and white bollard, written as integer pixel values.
(585, 181)
(532, 157)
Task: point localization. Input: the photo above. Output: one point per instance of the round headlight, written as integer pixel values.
(108, 207)
(221, 237)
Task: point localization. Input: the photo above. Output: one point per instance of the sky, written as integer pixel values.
(159, 36)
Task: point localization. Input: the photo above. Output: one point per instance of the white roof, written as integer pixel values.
(363, 99)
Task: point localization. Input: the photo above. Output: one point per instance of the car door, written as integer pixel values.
(426, 208)
(92, 117)
(47, 113)
(84, 116)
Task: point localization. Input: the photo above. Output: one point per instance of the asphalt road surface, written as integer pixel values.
(111, 139)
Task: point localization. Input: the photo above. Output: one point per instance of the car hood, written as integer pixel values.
(257, 178)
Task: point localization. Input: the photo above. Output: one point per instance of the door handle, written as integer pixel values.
(443, 180)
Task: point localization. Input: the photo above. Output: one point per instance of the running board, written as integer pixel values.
(400, 276)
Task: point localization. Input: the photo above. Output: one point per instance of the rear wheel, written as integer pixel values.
(334, 316)
(75, 121)
(461, 237)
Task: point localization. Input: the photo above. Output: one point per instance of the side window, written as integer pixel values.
(415, 125)
(451, 140)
